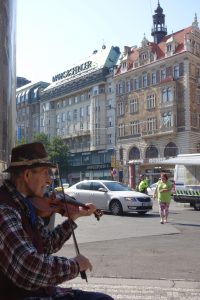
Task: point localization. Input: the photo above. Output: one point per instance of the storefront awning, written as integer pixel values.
(182, 159)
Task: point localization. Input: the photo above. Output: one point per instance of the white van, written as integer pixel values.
(187, 179)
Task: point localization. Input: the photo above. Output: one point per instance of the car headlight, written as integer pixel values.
(130, 199)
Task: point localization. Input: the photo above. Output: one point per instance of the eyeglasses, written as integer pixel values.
(42, 172)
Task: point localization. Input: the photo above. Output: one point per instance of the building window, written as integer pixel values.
(170, 150)
(153, 78)
(163, 74)
(144, 80)
(134, 153)
(81, 126)
(58, 118)
(121, 130)
(136, 83)
(135, 127)
(63, 117)
(169, 48)
(151, 101)
(75, 114)
(134, 106)
(110, 122)
(144, 55)
(176, 71)
(151, 152)
(128, 86)
(69, 116)
(166, 120)
(167, 95)
(124, 65)
(109, 138)
(151, 124)
(120, 108)
(87, 110)
(198, 120)
(81, 112)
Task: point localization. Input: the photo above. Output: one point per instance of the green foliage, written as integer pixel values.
(43, 138)
(22, 141)
(57, 151)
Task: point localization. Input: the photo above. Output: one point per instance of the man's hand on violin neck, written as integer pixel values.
(83, 262)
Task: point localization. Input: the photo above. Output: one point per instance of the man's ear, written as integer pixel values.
(27, 174)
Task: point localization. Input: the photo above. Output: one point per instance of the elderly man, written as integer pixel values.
(28, 270)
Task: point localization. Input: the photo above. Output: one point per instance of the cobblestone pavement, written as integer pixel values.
(135, 289)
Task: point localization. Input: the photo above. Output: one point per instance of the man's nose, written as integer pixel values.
(49, 179)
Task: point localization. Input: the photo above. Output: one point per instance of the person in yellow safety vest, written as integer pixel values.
(143, 184)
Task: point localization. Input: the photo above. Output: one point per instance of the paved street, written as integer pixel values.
(135, 257)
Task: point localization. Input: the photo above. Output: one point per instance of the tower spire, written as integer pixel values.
(159, 29)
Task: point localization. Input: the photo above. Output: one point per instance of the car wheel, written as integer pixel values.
(197, 206)
(116, 208)
(142, 212)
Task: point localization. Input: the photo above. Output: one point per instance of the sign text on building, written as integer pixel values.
(73, 71)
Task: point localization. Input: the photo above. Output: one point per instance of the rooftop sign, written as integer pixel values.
(73, 71)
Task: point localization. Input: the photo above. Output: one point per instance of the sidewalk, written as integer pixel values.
(139, 289)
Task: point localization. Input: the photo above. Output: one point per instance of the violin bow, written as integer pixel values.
(82, 273)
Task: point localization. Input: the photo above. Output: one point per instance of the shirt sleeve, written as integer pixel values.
(21, 262)
(53, 240)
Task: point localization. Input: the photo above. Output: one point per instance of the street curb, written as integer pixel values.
(164, 283)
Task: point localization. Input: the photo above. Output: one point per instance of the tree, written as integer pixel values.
(43, 138)
(22, 141)
(58, 152)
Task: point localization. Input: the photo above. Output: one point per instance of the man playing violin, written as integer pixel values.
(28, 270)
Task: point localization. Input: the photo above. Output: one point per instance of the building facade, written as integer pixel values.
(122, 112)
(79, 106)
(28, 110)
(158, 98)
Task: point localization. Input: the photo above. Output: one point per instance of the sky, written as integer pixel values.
(53, 35)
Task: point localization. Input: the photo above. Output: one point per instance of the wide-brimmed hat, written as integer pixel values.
(30, 155)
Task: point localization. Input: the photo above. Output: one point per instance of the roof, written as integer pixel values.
(157, 49)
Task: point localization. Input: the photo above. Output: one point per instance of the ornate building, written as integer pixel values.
(158, 98)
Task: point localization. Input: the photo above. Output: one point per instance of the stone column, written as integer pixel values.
(7, 79)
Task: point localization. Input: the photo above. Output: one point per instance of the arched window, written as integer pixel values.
(198, 148)
(170, 150)
(134, 153)
(151, 152)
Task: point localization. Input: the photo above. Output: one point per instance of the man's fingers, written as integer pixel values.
(83, 262)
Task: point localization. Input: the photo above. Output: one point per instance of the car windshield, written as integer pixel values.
(116, 186)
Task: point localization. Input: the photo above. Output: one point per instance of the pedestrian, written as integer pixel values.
(143, 184)
(163, 194)
(28, 270)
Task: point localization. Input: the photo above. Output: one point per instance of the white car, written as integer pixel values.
(110, 196)
(151, 189)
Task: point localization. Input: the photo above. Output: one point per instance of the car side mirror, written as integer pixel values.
(102, 190)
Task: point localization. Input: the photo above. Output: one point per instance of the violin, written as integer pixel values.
(46, 206)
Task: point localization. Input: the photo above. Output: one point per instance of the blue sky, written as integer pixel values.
(53, 35)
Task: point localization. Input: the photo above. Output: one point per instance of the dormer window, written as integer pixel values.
(144, 55)
(169, 48)
(124, 65)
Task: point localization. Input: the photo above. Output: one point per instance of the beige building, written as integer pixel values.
(79, 107)
(158, 99)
